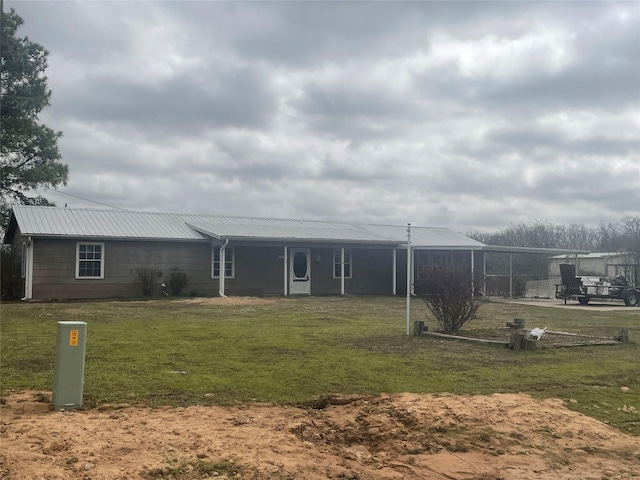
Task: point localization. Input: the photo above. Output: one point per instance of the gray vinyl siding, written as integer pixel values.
(258, 271)
(322, 281)
(401, 269)
(55, 268)
(372, 272)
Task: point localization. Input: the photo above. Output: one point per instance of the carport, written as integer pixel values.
(510, 251)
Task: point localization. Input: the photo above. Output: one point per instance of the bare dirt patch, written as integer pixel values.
(406, 436)
(225, 301)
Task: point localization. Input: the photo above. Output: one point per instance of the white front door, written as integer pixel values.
(299, 271)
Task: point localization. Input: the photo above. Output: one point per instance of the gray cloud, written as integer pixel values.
(471, 115)
(183, 104)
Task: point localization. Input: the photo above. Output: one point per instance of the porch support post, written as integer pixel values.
(473, 276)
(342, 271)
(510, 275)
(484, 273)
(394, 271)
(286, 271)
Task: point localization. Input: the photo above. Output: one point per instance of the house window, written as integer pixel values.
(229, 263)
(337, 258)
(89, 260)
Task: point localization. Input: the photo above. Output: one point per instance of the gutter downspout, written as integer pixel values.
(28, 274)
(222, 268)
(510, 275)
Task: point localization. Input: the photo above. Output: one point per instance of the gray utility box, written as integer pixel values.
(68, 377)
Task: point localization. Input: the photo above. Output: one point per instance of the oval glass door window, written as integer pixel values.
(300, 265)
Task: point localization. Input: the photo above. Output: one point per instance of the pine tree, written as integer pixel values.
(29, 149)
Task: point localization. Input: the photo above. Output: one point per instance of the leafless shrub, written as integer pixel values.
(146, 277)
(447, 293)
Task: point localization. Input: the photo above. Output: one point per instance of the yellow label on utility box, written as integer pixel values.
(73, 338)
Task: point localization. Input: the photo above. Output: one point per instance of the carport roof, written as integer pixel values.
(125, 224)
(537, 250)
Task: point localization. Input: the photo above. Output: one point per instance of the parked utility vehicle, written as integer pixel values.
(584, 289)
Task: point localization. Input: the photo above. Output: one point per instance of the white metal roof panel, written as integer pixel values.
(322, 232)
(426, 237)
(87, 223)
(124, 224)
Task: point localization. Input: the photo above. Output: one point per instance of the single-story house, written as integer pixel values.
(69, 253)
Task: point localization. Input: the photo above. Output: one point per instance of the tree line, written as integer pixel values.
(621, 236)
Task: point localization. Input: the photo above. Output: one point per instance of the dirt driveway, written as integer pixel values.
(406, 436)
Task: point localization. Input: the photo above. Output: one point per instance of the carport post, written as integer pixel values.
(472, 275)
(484, 273)
(510, 275)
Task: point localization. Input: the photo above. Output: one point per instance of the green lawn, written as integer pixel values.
(296, 350)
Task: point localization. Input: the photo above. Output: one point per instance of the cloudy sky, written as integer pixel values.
(466, 115)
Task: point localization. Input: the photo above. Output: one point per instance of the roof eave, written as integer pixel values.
(445, 247)
(304, 240)
(118, 238)
(538, 250)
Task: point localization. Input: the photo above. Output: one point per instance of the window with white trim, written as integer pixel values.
(337, 260)
(229, 263)
(89, 260)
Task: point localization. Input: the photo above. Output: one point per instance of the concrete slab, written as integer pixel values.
(593, 306)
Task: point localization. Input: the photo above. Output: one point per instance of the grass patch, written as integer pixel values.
(191, 470)
(299, 350)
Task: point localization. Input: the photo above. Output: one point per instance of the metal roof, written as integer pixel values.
(427, 237)
(89, 223)
(341, 233)
(537, 250)
(124, 224)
